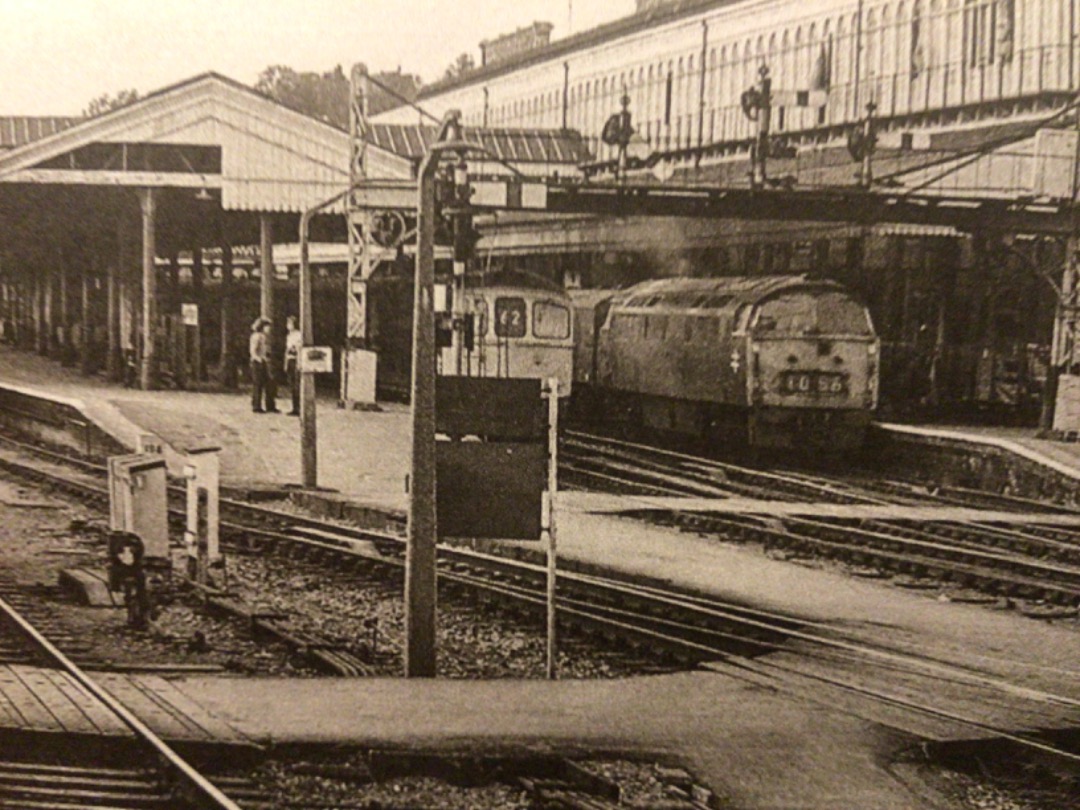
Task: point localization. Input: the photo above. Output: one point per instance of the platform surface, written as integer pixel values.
(364, 455)
(1062, 457)
(757, 748)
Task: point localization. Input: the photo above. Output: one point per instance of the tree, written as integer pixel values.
(326, 96)
(462, 66)
(104, 103)
(403, 87)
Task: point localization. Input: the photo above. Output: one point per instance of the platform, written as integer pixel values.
(1024, 443)
(362, 455)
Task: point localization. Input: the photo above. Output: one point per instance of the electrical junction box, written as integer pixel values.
(137, 501)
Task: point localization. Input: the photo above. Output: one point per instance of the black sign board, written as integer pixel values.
(503, 409)
(490, 489)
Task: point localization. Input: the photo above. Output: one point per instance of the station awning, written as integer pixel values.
(208, 132)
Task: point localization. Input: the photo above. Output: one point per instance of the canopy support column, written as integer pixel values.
(228, 356)
(266, 267)
(86, 330)
(48, 312)
(148, 371)
(197, 293)
(63, 335)
(113, 359)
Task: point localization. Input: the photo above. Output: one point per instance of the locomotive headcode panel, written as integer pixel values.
(775, 361)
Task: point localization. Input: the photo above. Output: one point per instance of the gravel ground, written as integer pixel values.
(49, 532)
(324, 784)
(472, 642)
(298, 790)
(42, 533)
(996, 777)
(997, 794)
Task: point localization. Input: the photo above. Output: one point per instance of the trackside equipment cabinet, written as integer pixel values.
(137, 502)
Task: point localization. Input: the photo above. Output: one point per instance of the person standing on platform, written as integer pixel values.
(293, 341)
(259, 352)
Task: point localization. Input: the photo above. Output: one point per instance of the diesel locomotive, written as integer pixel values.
(769, 362)
(520, 326)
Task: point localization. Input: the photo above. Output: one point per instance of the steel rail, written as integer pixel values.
(201, 789)
(780, 481)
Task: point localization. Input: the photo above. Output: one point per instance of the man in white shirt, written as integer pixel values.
(293, 341)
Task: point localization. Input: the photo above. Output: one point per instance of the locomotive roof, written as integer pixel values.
(712, 293)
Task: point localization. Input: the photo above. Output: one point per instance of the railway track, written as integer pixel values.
(57, 775)
(1029, 561)
(595, 605)
(691, 629)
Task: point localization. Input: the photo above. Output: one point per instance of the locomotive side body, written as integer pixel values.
(773, 362)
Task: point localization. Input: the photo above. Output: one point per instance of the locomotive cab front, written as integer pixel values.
(812, 381)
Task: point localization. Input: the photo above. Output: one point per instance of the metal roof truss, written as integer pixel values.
(830, 205)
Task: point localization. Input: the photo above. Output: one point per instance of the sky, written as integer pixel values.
(57, 55)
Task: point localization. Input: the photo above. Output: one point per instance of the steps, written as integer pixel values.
(40, 786)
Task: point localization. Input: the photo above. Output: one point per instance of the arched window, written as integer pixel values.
(871, 50)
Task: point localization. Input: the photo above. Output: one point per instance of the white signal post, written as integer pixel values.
(553, 485)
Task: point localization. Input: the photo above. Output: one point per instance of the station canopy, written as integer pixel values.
(207, 133)
(533, 152)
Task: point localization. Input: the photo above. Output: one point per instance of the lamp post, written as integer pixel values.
(420, 573)
(308, 432)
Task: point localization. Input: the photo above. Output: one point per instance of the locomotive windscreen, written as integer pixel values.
(800, 313)
(551, 320)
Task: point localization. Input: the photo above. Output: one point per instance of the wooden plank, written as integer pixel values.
(33, 710)
(170, 712)
(57, 701)
(167, 694)
(13, 718)
(96, 714)
(165, 722)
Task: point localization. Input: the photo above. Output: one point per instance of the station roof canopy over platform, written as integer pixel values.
(524, 148)
(17, 130)
(208, 132)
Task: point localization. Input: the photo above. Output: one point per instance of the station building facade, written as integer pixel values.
(966, 318)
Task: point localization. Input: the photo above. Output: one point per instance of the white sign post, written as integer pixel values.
(553, 485)
(316, 359)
